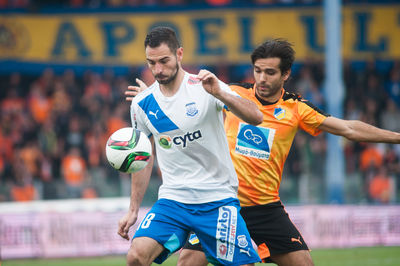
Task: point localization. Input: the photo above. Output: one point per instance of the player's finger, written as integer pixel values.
(133, 88)
(120, 230)
(140, 82)
(129, 99)
(131, 93)
(202, 73)
(126, 231)
(123, 234)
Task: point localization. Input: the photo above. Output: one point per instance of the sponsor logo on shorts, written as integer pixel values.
(226, 232)
(254, 141)
(193, 239)
(296, 240)
(222, 249)
(247, 251)
(242, 241)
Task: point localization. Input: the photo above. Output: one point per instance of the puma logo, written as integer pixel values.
(247, 251)
(296, 240)
(155, 114)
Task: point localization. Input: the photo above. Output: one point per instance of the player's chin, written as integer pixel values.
(264, 91)
(163, 80)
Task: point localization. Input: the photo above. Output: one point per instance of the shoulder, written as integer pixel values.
(303, 103)
(292, 96)
(243, 85)
(241, 88)
(144, 94)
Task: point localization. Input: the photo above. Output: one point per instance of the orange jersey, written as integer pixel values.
(259, 152)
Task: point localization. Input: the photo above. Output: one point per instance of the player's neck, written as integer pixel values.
(271, 99)
(169, 90)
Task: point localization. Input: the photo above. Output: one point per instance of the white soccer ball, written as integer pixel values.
(128, 150)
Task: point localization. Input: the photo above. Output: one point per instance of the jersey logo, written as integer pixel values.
(279, 113)
(193, 80)
(226, 232)
(254, 141)
(191, 109)
(188, 137)
(155, 114)
(165, 141)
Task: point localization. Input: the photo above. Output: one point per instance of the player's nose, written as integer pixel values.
(263, 77)
(158, 68)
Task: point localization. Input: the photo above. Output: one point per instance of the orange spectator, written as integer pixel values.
(370, 157)
(26, 192)
(39, 104)
(89, 193)
(116, 121)
(6, 147)
(61, 100)
(380, 187)
(95, 141)
(97, 87)
(12, 103)
(74, 168)
(30, 154)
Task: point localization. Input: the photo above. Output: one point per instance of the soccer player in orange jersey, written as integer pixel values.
(259, 154)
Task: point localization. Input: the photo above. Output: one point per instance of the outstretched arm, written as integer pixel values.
(139, 183)
(358, 131)
(242, 108)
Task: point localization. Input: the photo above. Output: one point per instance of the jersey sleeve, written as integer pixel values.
(226, 88)
(311, 117)
(137, 119)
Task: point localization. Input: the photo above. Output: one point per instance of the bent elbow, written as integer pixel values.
(258, 118)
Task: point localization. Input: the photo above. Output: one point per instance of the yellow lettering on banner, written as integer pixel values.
(208, 37)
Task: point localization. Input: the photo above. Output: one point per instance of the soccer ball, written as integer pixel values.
(128, 150)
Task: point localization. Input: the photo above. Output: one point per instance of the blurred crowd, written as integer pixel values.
(53, 130)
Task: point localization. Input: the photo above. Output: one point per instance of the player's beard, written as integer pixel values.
(265, 91)
(168, 80)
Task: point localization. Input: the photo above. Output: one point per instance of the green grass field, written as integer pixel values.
(379, 256)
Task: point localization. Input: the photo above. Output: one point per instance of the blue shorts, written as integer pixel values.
(218, 225)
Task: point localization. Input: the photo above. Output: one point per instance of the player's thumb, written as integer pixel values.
(126, 231)
(140, 82)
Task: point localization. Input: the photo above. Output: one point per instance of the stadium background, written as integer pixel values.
(64, 68)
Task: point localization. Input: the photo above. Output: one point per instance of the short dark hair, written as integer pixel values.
(276, 48)
(159, 35)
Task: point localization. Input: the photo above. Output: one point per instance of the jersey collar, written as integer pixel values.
(263, 102)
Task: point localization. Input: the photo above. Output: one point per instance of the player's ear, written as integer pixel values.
(287, 75)
(179, 53)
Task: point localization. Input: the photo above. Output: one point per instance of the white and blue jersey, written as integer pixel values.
(191, 145)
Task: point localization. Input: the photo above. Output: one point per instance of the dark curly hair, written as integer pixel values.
(276, 48)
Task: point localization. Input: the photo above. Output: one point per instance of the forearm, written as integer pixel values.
(242, 108)
(139, 184)
(367, 133)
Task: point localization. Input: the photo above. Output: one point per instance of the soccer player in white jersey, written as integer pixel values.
(182, 115)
